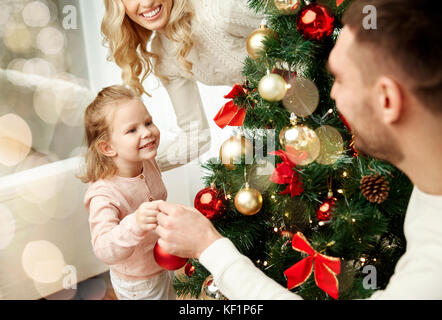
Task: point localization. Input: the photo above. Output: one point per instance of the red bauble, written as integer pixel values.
(166, 260)
(315, 22)
(324, 212)
(211, 202)
(189, 269)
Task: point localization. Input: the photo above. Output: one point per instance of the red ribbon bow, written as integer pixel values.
(326, 268)
(230, 114)
(284, 174)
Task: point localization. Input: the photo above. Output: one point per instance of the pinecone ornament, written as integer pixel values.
(375, 188)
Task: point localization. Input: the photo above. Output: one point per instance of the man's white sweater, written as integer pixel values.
(417, 274)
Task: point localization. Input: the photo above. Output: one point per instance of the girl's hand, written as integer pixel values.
(146, 216)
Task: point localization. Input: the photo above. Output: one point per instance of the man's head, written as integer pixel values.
(385, 77)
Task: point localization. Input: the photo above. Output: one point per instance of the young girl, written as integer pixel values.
(124, 178)
(192, 40)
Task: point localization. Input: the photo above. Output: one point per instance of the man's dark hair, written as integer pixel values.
(408, 37)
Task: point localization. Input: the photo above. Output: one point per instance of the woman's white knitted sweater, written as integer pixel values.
(219, 30)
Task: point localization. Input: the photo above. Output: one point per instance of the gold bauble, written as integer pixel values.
(302, 97)
(288, 6)
(234, 149)
(209, 290)
(248, 201)
(301, 143)
(332, 144)
(272, 87)
(254, 41)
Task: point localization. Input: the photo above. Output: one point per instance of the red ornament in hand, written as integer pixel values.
(211, 202)
(166, 260)
(315, 22)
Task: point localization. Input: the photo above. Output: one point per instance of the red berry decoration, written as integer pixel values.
(166, 260)
(211, 202)
(315, 22)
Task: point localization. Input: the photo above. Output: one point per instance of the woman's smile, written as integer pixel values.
(152, 14)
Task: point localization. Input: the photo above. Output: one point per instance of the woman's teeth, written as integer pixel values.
(151, 13)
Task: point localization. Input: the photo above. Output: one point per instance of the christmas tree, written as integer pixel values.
(290, 183)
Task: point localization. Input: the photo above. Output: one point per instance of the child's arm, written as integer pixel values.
(113, 240)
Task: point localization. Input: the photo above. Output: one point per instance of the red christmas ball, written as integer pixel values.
(166, 260)
(211, 202)
(189, 269)
(315, 22)
(324, 212)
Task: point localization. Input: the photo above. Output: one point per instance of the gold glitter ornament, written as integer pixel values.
(302, 97)
(332, 144)
(300, 142)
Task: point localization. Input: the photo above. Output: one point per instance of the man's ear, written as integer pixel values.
(389, 101)
(106, 149)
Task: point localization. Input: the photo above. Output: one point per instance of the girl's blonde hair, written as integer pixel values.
(128, 41)
(97, 129)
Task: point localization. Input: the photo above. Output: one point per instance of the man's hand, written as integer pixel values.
(184, 231)
(146, 215)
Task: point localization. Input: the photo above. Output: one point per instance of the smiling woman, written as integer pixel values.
(181, 43)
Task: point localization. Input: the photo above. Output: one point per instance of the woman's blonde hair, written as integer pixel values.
(128, 41)
(97, 129)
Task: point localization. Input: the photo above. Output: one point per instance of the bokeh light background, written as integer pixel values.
(44, 90)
